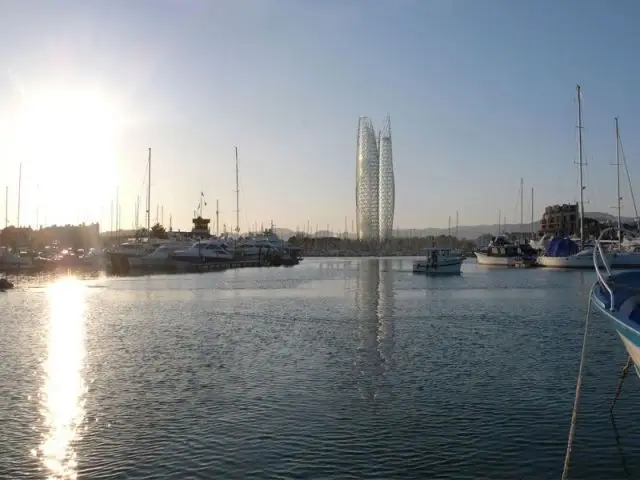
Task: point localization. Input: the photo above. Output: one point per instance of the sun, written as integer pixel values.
(67, 137)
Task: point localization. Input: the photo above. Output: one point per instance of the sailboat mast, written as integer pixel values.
(581, 165)
(137, 212)
(532, 228)
(218, 217)
(38, 206)
(521, 206)
(6, 206)
(19, 195)
(618, 180)
(456, 224)
(149, 197)
(117, 213)
(237, 195)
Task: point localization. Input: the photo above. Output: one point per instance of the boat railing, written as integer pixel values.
(599, 256)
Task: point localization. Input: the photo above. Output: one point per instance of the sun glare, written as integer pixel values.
(68, 139)
(64, 389)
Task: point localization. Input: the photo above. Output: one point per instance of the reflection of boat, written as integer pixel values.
(502, 252)
(617, 296)
(439, 261)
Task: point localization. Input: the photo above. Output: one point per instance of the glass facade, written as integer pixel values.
(375, 183)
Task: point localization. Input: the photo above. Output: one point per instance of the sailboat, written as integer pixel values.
(119, 256)
(564, 252)
(622, 258)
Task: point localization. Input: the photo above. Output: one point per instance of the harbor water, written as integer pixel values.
(336, 368)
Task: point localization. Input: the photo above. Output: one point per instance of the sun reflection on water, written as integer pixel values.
(62, 395)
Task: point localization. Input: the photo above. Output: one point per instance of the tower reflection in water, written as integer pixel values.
(375, 310)
(63, 391)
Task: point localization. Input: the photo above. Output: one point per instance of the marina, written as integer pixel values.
(219, 259)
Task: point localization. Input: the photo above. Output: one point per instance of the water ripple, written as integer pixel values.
(338, 369)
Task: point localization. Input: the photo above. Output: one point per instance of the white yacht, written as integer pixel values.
(160, 257)
(264, 243)
(439, 261)
(204, 251)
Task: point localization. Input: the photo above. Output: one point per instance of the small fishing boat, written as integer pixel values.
(617, 297)
(439, 261)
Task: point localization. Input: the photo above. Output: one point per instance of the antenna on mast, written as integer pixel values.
(237, 195)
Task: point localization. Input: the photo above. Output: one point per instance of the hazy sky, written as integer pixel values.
(480, 93)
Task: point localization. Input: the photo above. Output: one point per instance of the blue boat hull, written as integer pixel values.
(625, 315)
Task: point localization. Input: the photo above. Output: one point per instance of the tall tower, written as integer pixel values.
(386, 182)
(367, 182)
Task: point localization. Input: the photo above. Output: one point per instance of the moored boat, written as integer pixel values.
(501, 252)
(617, 297)
(439, 261)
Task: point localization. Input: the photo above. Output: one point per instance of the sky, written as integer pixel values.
(480, 93)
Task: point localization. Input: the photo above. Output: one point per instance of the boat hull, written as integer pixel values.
(492, 260)
(452, 267)
(572, 261)
(194, 259)
(624, 320)
(618, 260)
(625, 260)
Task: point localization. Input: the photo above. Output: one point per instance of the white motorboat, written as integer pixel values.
(439, 261)
(205, 251)
(160, 257)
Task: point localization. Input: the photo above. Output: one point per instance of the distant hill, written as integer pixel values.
(464, 231)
